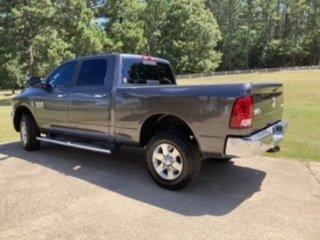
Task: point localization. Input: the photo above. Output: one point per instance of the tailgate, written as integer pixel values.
(268, 104)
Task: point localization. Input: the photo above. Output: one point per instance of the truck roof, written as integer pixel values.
(122, 55)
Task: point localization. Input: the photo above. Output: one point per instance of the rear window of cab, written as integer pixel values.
(146, 71)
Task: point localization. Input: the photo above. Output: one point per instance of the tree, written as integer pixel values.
(155, 17)
(272, 33)
(125, 25)
(312, 43)
(85, 36)
(38, 35)
(227, 13)
(187, 35)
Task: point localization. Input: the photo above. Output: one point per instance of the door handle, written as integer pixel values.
(100, 96)
(64, 95)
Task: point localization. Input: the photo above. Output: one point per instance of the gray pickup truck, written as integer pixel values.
(99, 103)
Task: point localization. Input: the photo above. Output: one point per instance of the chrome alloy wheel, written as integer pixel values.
(24, 133)
(167, 161)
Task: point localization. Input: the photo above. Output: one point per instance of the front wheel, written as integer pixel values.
(29, 132)
(173, 159)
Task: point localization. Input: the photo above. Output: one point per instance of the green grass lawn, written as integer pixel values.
(302, 108)
(7, 132)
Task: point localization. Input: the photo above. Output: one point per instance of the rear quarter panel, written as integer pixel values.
(206, 109)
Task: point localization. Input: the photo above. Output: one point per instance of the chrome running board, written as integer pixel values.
(75, 145)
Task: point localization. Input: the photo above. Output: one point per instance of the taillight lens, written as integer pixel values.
(242, 113)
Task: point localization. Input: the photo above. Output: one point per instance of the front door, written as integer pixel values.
(52, 106)
(90, 100)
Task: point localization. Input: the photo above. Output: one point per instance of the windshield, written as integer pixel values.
(138, 71)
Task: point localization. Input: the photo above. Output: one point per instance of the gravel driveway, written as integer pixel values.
(62, 193)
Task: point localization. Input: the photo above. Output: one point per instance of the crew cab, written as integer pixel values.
(102, 102)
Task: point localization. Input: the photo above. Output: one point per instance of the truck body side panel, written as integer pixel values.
(205, 109)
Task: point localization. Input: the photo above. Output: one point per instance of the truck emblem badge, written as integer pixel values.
(39, 105)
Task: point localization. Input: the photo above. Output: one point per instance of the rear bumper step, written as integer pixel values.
(76, 145)
(257, 143)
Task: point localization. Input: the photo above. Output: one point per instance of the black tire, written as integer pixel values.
(29, 142)
(190, 157)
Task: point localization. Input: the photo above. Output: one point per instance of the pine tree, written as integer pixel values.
(155, 18)
(125, 25)
(187, 35)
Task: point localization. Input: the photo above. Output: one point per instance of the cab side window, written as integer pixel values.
(63, 75)
(92, 72)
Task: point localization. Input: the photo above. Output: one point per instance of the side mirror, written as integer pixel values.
(33, 82)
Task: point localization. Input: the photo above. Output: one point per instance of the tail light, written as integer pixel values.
(242, 113)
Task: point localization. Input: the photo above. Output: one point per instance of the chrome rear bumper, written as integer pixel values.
(257, 143)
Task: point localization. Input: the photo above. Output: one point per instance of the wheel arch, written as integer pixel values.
(160, 121)
(18, 112)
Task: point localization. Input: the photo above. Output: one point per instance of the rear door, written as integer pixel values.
(90, 99)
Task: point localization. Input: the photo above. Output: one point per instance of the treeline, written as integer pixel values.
(272, 33)
(195, 35)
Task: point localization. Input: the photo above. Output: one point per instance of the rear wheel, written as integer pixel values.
(173, 159)
(29, 132)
